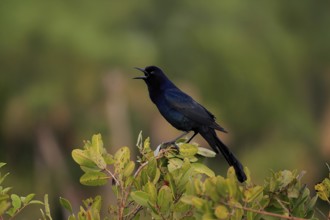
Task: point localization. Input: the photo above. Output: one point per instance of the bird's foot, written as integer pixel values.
(170, 144)
(166, 145)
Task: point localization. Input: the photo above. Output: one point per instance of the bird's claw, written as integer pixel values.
(170, 144)
(165, 145)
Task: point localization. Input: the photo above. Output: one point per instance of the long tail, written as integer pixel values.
(211, 137)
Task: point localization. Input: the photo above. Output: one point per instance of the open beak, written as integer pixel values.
(140, 77)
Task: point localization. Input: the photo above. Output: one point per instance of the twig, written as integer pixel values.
(265, 212)
(113, 176)
(161, 155)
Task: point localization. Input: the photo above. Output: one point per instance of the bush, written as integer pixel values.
(171, 184)
(11, 205)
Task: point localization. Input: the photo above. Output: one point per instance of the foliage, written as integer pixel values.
(323, 189)
(172, 184)
(12, 204)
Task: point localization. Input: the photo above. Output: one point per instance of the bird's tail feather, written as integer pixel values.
(211, 137)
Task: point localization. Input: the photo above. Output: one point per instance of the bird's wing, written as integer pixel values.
(191, 109)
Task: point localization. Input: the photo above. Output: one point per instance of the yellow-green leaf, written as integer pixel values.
(221, 212)
(173, 164)
(150, 188)
(97, 143)
(66, 204)
(322, 191)
(187, 150)
(121, 157)
(165, 198)
(82, 158)
(4, 205)
(16, 201)
(140, 198)
(198, 202)
(201, 168)
(97, 158)
(206, 152)
(28, 198)
(129, 168)
(94, 179)
(251, 194)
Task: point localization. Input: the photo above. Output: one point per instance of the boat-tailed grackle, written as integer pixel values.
(185, 114)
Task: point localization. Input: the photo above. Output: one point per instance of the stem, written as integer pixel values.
(113, 177)
(134, 211)
(264, 212)
(161, 155)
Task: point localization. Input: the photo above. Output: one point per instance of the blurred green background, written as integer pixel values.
(66, 69)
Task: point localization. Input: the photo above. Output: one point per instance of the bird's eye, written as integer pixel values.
(152, 72)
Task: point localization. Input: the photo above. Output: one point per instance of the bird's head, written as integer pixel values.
(153, 76)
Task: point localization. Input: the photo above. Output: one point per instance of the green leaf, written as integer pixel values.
(210, 189)
(26, 200)
(97, 143)
(187, 150)
(186, 173)
(47, 209)
(140, 198)
(222, 187)
(237, 211)
(82, 158)
(221, 212)
(108, 158)
(121, 157)
(72, 217)
(208, 216)
(187, 199)
(194, 200)
(3, 177)
(36, 202)
(129, 168)
(5, 191)
(90, 169)
(152, 169)
(206, 152)
(3, 197)
(150, 188)
(198, 202)
(173, 164)
(4, 205)
(170, 180)
(165, 198)
(16, 201)
(286, 178)
(66, 204)
(94, 179)
(232, 187)
(2, 164)
(251, 194)
(323, 191)
(97, 203)
(139, 141)
(97, 158)
(201, 168)
(157, 176)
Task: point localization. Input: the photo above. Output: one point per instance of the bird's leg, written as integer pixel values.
(172, 142)
(195, 133)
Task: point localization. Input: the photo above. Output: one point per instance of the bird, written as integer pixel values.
(187, 115)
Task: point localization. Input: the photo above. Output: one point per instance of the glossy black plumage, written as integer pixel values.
(185, 114)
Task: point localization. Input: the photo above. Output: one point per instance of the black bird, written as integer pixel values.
(185, 114)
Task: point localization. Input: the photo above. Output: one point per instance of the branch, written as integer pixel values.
(265, 212)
